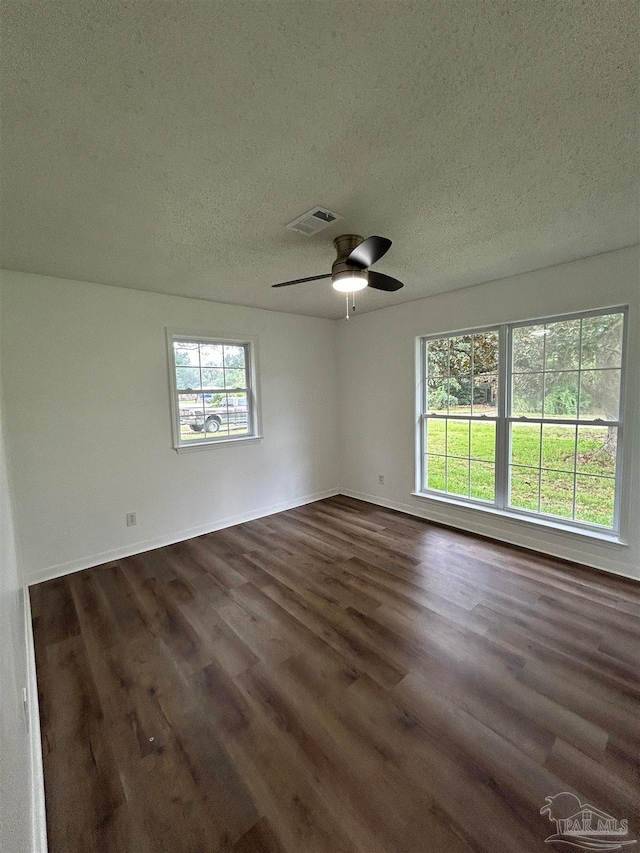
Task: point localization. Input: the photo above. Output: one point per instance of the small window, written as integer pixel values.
(213, 390)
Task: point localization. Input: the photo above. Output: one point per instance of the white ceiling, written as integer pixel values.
(163, 146)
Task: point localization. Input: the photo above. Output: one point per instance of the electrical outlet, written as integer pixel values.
(381, 479)
(131, 519)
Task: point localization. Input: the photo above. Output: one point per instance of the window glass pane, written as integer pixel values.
(483, 481)
(458, 438)
(602, 341)
(600, 394)
(527, 395)
(187, 377)
(234, 379)
(597, 450)
(525, 444)
(485, 373)
(212, 378)
(216, 422)
(438, 375)
(595, 498)
(558, 447)
(561, 394)
(238, 414)
(556, 494)
(485, 352)
(187, 434)
(438, 397)
(458, 476)
(436, 473)
(217, 415)
(562, 345)
(528, 349)
(211, 355)
(191, 413)
(483, 440)
(485, 394)
(524, 488)
(213, 400)
(185, 354)
(436, 436)
(233, 356)
(460, 384)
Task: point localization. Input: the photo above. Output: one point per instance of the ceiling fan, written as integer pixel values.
(350, 271)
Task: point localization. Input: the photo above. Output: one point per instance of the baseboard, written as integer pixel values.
(38, 811)
(62, 569)
(540, 545)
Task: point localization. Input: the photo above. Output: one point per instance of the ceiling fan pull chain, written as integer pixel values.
(353, 305)
(347, 306)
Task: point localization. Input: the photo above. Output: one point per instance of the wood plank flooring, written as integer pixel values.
(331, 679)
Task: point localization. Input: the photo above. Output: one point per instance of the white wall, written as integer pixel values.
(89, 429)
(377, 393)
(15, 756)
(89, 432)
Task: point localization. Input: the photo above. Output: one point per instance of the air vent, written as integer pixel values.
(313, 221)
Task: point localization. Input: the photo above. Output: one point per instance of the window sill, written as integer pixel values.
(548, 524)
(221, 442)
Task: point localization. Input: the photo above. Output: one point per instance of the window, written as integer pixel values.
(213, 390)
(527, 418)
(461, 414)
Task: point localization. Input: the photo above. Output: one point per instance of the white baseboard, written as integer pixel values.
(68, 568)
(541, 544)
(38, 812)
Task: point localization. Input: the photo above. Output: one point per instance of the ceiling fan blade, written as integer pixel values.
(380, 281)
(300, 280)
(369, 251)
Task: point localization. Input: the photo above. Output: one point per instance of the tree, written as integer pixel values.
(593, 344)
(462, 367)
(217, 366)
(188, 376)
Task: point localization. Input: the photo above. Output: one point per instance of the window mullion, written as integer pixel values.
(617, 513)
(423, 442)
(502, 426)
(575, 455)
(424, 377)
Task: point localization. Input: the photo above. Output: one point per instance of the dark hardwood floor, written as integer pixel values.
(338, 677)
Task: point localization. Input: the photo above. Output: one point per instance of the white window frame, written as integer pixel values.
(503, 430)
(253, 398)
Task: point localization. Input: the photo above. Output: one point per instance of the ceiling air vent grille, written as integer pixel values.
(313, 221)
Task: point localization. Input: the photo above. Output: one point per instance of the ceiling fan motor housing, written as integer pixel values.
(344, 245)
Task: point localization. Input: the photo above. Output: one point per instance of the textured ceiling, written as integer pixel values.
(164, 145)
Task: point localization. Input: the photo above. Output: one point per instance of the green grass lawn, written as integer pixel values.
(232, 430)
(546, 465)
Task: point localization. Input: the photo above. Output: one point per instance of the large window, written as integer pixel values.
(527, 418)
(213, 390)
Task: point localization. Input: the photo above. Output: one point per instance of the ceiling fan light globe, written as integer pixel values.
(349, 283)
